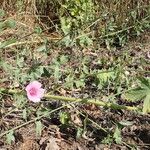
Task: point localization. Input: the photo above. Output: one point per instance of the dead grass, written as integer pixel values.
(47, 11)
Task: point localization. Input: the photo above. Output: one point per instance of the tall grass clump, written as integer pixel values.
(86, 21)
(103, 21)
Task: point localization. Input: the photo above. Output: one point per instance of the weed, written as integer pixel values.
(74, 68)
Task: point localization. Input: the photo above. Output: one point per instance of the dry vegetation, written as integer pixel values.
(87, 49)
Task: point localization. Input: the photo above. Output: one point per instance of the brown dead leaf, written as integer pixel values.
(42, 140)
(52, 144)
(62, 92)
(29, 144)
(76, 120)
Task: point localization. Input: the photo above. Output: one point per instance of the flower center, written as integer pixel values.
(33, 91)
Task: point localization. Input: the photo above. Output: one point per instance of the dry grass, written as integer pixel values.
(29, 13)
(118, 8)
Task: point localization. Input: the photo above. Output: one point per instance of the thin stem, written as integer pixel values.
(79, 100)
(31, 121)
(90, 101)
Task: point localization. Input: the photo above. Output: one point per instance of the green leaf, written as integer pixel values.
(11, 23)
(139, 93)
(79, 132)
(46, 73)
(85, 40)
(80, 83)
(63, 59)
(7, 43)
(117, 136)
(64, 117)
(69, 81)
(108, 139)
(20, 61)
(38, 30)
(2, 13)
(105, 76)
(126, 123)
(38, 127)
(65, 25)
(134, 14)
(146, 105)
(24, 113)
(67, 40)
(135, 94)
(10, 137)
(2, 26)
(85, 69)
(56, 72)
(20, 100)
(42, 48)
(145, 82)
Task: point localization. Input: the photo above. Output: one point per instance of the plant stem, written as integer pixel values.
(31, 121)
(79, 100)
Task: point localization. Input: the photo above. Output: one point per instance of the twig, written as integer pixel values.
(28, 42)
(31, 121)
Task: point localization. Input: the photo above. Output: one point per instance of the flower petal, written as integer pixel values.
(35, 84)
(36, 95)
(41, 92)
(28, 87)
(33, 98)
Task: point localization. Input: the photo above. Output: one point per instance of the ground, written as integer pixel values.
(76, 126)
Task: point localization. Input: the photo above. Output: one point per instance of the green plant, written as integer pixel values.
(142, 92)
(64, 118)
(10, 137)
(113, 24)
(38, 128)
(117, 135)
(78, 15)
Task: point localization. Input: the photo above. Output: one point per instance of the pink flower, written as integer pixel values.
(34, 91)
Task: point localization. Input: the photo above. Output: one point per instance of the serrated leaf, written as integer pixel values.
(108, 139)
(64, 117)
(105, 76)
(85, 40)
(38, 127)
(117, 136)
(135, 94)
(10, 137)
(69, 81)
(146, 105)
(80, 83)
(145, 83)
(20, 100)
(142, 92)
(65, 25)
